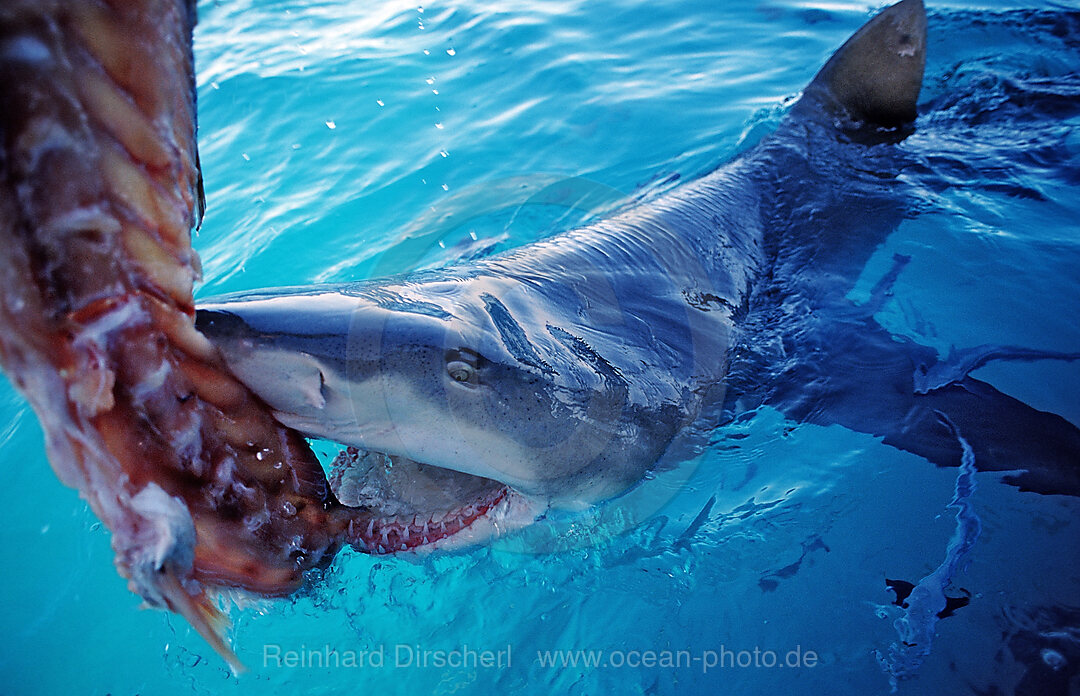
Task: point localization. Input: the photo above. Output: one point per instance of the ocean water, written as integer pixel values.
(343, 140)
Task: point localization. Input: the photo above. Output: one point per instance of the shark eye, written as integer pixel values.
(461, 366)
(461, 371)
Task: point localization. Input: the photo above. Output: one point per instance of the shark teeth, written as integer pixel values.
(400, 533)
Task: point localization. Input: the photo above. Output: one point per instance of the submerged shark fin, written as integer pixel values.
(876, 76)
(863, 378)
(1039, 450)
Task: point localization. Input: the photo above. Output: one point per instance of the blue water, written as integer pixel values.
(341, 140)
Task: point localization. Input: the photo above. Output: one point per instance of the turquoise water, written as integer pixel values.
(341, 141)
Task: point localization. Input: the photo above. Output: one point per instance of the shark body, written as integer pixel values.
(563, 369)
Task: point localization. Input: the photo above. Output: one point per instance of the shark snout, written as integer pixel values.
(291, 382)
(343, 367)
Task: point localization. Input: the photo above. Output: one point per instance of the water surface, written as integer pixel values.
(342, 140)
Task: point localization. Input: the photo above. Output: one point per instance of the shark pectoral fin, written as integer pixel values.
(1040, 450)
(1006, 435)
(876, 76)
(960, 363)
(862, 378)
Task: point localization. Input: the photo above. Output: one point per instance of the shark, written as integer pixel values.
(555, 375)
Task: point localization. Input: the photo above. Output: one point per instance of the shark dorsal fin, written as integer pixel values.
(876, 75)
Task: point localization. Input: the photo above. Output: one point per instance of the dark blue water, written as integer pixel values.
(342, 140)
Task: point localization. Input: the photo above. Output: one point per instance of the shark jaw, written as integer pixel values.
(419, 507)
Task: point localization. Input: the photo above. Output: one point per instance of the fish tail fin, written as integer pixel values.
(202, 614)
(875, 77)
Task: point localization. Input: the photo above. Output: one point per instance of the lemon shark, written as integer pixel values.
(558, 373)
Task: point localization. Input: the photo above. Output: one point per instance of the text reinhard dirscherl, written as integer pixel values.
(403, 655)
(399, 656)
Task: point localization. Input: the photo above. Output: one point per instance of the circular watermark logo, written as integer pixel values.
(564, 366)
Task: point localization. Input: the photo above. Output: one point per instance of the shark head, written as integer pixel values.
(450, 396)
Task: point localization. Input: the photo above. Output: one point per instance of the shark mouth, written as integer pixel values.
(414, 505)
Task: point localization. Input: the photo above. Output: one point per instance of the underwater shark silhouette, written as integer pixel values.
(560, 371)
